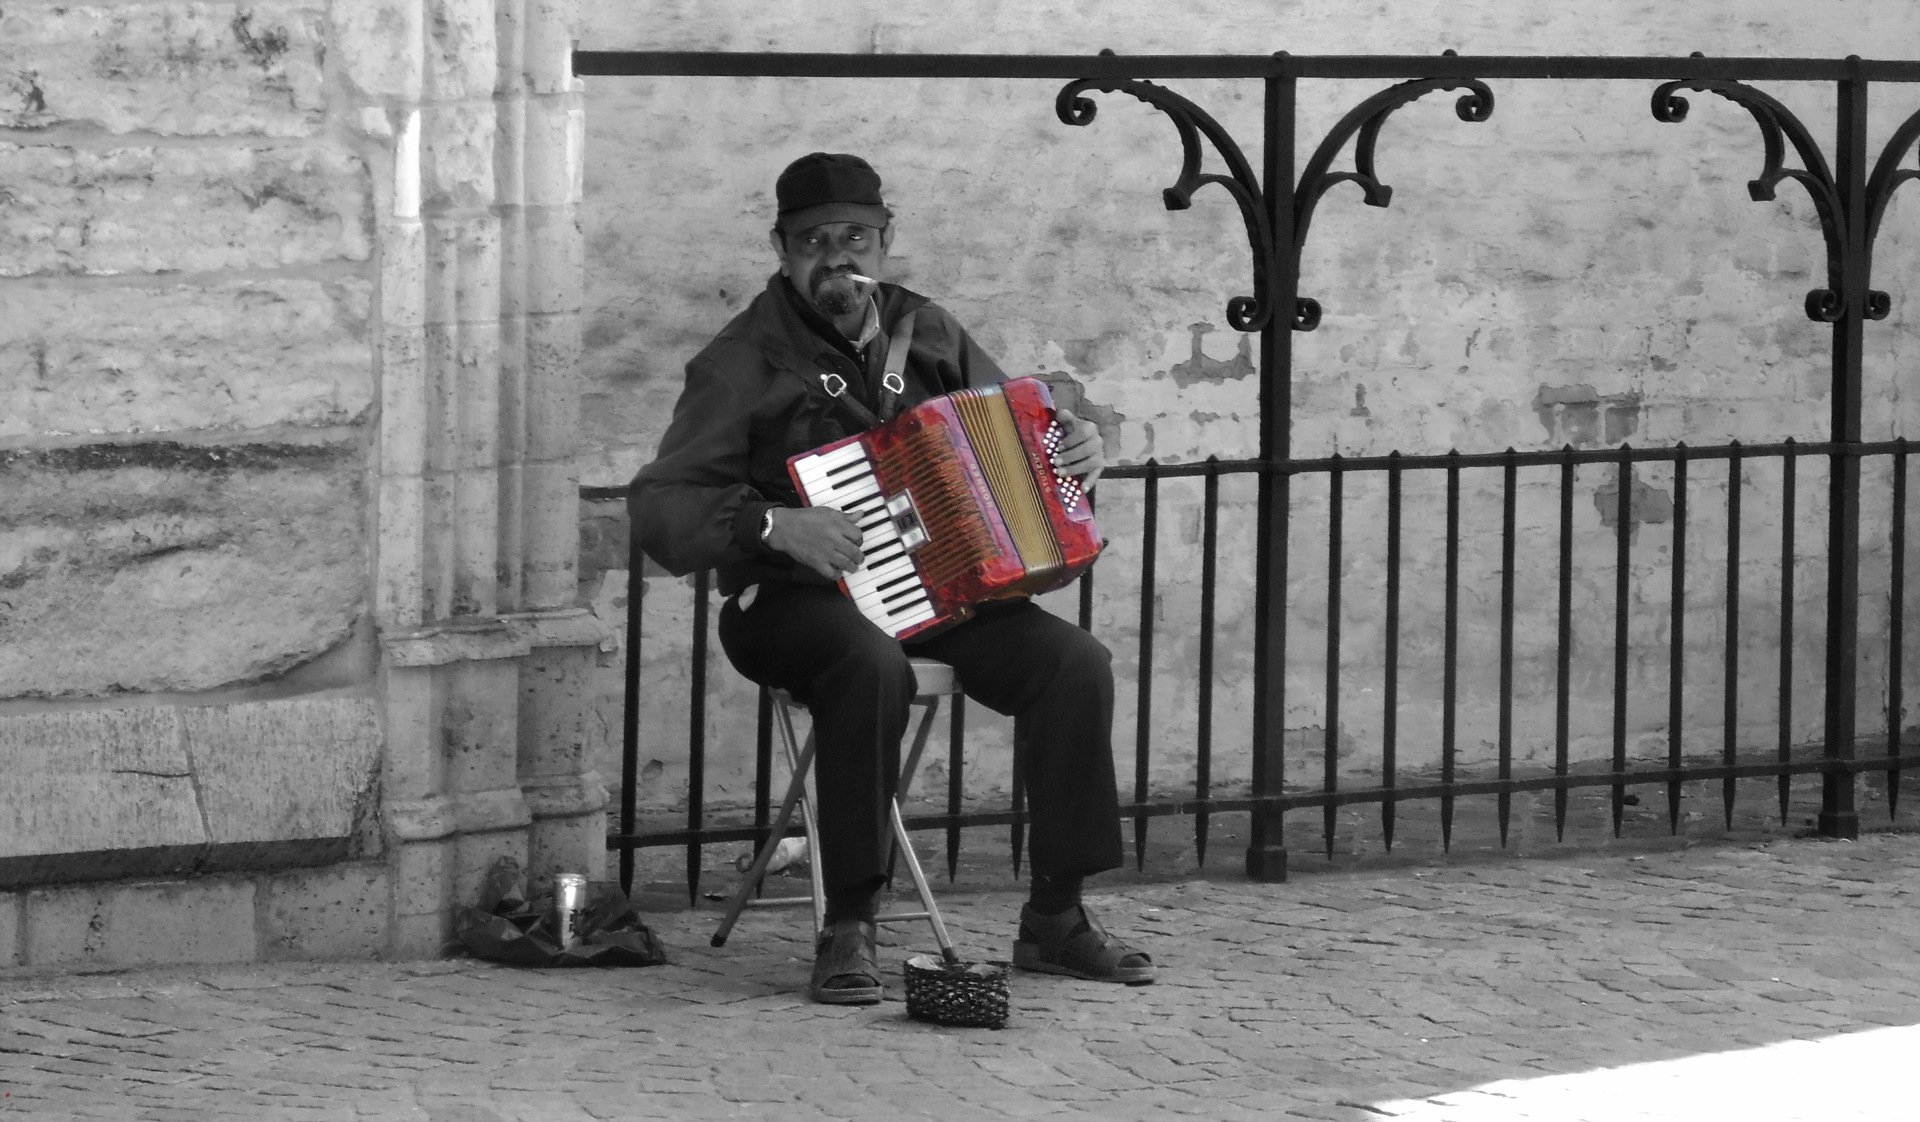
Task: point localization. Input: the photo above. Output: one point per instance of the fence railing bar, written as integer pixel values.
(1509, 529)
(1677, 641)
(1450, 658)
(1896, 620)
(1143, 706)
(1622, 593)
(1788, 491)
(697, 732)
(763, 767)
(1297, 800)
(1539, 457)
(630, 714)
(1730, 657)
(1203, 733)
(801, 64)
(1390, 717)
(1549, 457)
(956, 764)
(1563, 653)
(1085, 583)
(1330, 761)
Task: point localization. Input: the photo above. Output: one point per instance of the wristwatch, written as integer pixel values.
(766, 525)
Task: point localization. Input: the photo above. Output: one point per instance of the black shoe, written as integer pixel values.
(846, 971)
(1073, 943)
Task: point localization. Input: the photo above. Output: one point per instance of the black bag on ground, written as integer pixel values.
(522, 932)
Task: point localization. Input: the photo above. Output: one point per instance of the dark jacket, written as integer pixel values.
(753, 397)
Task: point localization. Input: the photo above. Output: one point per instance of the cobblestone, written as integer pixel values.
(1604, 986)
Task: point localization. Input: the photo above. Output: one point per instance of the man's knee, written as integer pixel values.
(875, 661)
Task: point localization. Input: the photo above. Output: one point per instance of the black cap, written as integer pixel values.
(829, 187)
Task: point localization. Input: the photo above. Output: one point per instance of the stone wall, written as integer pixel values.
(289, 305)
(1569, 271)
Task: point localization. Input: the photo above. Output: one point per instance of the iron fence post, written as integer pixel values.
(1266, 839)
(1838, 818)
(630, 701)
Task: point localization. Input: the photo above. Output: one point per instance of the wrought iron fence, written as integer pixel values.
(1277, 205)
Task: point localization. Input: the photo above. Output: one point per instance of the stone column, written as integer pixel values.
(540, 159)
(478, 507)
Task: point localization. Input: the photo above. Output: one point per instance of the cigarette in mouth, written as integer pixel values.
(858, 279)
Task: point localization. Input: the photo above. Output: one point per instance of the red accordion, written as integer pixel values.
(958, 503)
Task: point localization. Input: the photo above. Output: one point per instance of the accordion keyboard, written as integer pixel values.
(887, 587)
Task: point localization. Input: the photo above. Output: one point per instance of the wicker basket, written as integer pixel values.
(962, 994)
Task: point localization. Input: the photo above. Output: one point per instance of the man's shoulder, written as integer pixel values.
(755, 335)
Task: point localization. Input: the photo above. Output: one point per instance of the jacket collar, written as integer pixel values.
(792, 335)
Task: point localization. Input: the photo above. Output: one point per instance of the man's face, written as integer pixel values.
(818, 259)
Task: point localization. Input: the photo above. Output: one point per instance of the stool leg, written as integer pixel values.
(797, 792)
(911, 768)
(809, 817)
(920, 735)
(904, 845)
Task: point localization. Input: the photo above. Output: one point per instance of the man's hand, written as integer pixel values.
(819, 537)
(1083, 452)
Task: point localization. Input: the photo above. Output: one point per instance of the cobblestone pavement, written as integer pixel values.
(1763, 980)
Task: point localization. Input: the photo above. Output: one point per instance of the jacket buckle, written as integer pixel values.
(894, 383)
(833, 383)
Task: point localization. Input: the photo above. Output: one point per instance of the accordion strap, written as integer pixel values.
(893, 380)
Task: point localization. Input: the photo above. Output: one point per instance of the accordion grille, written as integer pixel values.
(925, 464)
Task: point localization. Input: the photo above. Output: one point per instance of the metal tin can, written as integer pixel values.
(569, 906)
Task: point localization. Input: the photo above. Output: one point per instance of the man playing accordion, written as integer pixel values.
(805, 365)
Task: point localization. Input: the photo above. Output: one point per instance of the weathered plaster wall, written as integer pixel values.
(1569, 271)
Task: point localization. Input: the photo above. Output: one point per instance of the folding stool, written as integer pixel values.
(933, 680)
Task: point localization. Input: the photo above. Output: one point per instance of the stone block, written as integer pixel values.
(474, 857)
(460, 49)
(479, 726)
(554, 268)
(553, 399)
(154, 923)
(12, 912)
(175, 69)
(403, 263)
(399, 594)
(606, 532)
(510, 152)
(477, 280)
(335, 913)
(381, 45)
(552, 561)
(475, 543)
(559, 736)
(552, 155)
(403, 400)
(286, 782)
(477, 398)
(96, 794)
(573, 843)
(456, 156)
(167, 567)
(552, 26)
(422, 897)
(133, 210)
(183, 358)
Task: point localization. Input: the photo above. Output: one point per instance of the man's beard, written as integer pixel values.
(838, 300)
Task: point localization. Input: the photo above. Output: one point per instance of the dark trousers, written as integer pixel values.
(1016, 658)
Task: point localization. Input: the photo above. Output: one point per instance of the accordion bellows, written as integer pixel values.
(958, 503)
